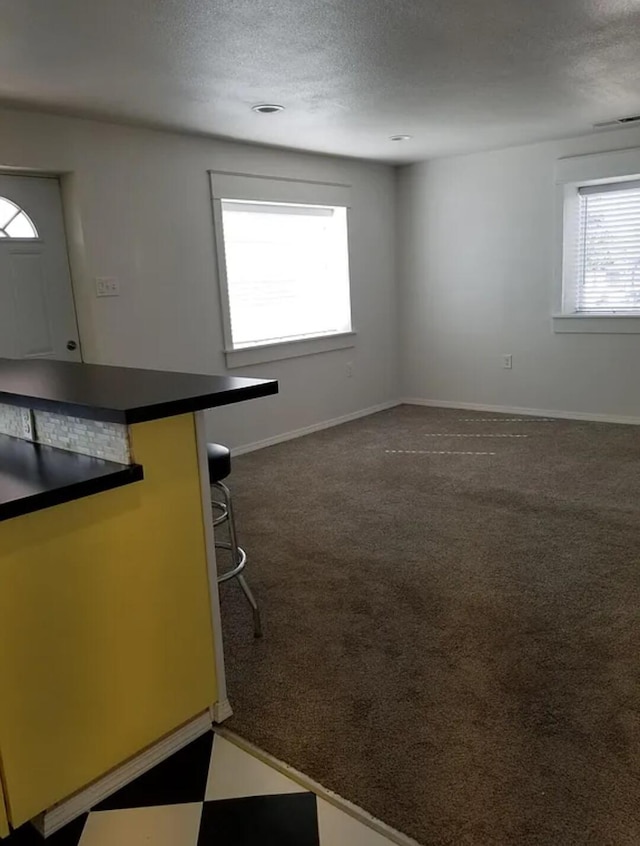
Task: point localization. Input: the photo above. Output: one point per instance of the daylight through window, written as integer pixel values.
(607, 274)
(15, 223)
(287, 271)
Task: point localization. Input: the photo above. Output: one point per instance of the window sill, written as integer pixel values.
(288, 349)
(603, 324)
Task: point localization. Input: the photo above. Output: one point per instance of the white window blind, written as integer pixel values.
(287, 271)
(607, 274)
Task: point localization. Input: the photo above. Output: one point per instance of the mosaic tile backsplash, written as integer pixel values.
(10, 421)
(89, 437)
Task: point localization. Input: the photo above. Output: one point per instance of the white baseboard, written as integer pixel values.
(465, 406)
(221, 711)
(525, 412)
(67, 810)
(315, 427)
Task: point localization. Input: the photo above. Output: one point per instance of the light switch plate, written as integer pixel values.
(107, 286)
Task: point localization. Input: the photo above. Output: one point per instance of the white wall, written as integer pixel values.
(138, 209)
(476, 248)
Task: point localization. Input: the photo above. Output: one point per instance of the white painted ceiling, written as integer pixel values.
(458, 75)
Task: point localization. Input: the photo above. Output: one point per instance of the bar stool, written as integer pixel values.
(219, 459)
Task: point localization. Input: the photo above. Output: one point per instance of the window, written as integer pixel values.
(287, 271)
(599, 279)
(284, 267)
(608, 270)
(14, 222)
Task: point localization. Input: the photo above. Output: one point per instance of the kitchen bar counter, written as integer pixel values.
(119, 394)
(33, 477)
(109, 605)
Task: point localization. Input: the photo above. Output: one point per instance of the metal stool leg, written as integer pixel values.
(238, 554)
(257, 623)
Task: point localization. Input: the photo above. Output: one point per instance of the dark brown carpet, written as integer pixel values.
(451, 641)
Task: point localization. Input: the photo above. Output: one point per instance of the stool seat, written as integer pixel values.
(219, 458)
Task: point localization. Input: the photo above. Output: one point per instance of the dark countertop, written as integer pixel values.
(33, 477)
(119, 394)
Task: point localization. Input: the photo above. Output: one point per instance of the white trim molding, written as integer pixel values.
(233, 185)
(573, 173)
(229, 186)
(221, 711)
(525, 412)
(599, 167)
(315, 427)
(600, 324)
(69, 809)
(294, 348)
(210, 549)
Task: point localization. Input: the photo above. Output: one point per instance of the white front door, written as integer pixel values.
(37, 313)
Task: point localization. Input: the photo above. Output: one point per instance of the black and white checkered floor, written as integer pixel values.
(211, 793)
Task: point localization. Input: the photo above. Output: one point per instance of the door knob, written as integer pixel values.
(71, 345)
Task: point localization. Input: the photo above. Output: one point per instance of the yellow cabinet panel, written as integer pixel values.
(4, 825)
(105, 630)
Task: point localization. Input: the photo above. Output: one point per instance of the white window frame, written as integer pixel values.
(573, 173)
(252, 187)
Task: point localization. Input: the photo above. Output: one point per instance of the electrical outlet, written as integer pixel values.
(507, 361)
(107, 286)
(349, 369)
(26, 419)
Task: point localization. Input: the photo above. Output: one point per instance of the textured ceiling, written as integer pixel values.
(458, 75)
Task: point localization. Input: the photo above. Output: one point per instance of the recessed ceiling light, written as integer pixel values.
(400, 137)
(267, 108)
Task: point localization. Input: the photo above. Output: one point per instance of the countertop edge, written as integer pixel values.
(172, 408)
(129, 474)
(145, 413)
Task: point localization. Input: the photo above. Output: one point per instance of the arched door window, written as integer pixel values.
(14, 222)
